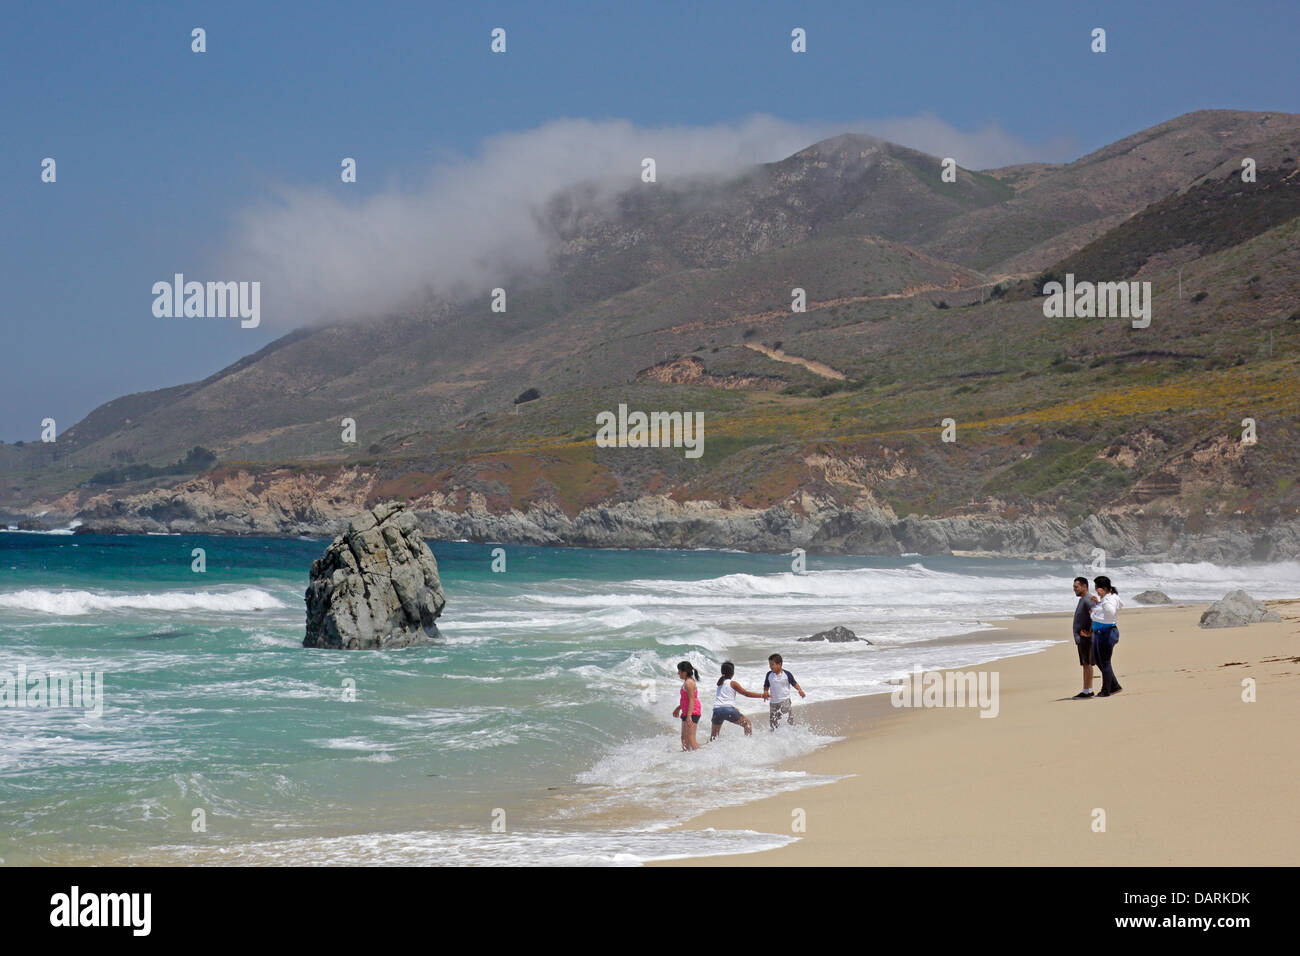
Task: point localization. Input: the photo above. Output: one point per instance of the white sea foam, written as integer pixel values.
(672, 786)
(71, 603)
(913, 603)
(466, 847)
(69, 741)
(710, 638)
(275, 640)
(269, 688)
(349, 743)
(617, 617)
(1203, 581)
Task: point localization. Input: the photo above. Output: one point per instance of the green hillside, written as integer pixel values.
(681, 300)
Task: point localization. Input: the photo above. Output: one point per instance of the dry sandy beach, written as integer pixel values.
(1186, 772)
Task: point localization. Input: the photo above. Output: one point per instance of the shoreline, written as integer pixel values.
(1185, 771)
(200, 507)
(823, 550)
(317, 533)
(533, 806)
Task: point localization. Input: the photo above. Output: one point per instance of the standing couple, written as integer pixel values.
(1096, 632)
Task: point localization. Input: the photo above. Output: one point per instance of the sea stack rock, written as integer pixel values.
(1237, 609)
(376, 586)
(836, 635)
(1152, 597)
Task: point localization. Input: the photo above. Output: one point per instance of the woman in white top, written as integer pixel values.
(724, 702)
(1105, 632)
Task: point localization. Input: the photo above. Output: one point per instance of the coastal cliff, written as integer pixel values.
(293, 502)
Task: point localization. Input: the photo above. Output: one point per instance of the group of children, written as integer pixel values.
(777, 684)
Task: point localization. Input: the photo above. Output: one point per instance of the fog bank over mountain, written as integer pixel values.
(324, 257)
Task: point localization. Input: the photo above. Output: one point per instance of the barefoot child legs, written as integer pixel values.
(689, 708)
(776, 690)
(724, 702)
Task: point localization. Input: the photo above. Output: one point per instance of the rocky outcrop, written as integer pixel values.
(691, 371)
(1152, 597)
(376, 586)
(1237, 609)
(662, 522)
(279, 501)
(285, 501)
(836, 635)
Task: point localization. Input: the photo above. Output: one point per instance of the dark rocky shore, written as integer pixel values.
(660, 522)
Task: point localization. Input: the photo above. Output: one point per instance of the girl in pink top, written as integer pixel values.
(689, 708)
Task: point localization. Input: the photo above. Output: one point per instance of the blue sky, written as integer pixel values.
(164, 154)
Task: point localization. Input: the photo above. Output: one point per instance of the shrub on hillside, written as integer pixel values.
(196, 459)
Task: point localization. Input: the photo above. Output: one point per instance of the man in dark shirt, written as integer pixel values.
(1083, 635)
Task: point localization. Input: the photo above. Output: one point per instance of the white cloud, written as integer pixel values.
(325, 258)
(987, 148)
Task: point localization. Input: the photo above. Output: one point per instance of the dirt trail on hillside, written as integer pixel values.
(812, 307)
(817, 368)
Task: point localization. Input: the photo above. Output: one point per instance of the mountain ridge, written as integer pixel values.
(708, 276)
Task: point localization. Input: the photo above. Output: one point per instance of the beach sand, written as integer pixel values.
(1186, 772)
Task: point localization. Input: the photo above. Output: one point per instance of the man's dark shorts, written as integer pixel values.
(1085, 651)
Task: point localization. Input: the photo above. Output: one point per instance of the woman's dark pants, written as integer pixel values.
(1104, 640)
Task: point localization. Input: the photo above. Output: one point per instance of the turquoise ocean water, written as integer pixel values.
(546, 711)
